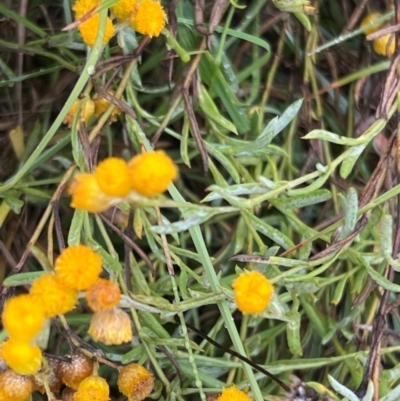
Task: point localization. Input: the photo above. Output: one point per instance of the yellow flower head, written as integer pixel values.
(90, 28)
(149, 18)
(93, 388)
(112, 175)
(22, 357)
(78, 267)
(368, 19)
(87, 110)
(81, 7)
(124, 10)
(104, 294)
(23, 317)
(233, 394)
(101, 105)
(78, 369)
(151, 173)
(87, 195)
(111, 327)
(14, 387)
(135, 382)
(253, 292)
(55, 297)
(385, 45)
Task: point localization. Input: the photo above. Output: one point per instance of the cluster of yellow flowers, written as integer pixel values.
(145, 16)
(148, 174)
(253, 292)
(76, 269)
(384, 45)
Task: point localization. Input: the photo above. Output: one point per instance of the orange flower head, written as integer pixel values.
(111, 327)
(124, 10)
(56, 297)
(151, 173)
(385, 45)
(22, 357)
(74, 372)
(104, 294)
(23, 317)
(101, 105)
(93, 388)
(81, 7)
(86, 111)
(90, 28)
(87, 195)
(135, 382)
(149, 18)
(368, 19)
(112, 175)
(253, 292)
(78, 267)
(233, 394)
(14, 387)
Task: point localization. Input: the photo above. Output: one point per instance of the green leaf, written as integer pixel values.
(75, 229)
(350, 160)
(267, 230)
(293, 332)
(22, 279)
(299, 201)
(342, 390)
(197, 217)
(211, 110)
(109, 262)
(378, 278)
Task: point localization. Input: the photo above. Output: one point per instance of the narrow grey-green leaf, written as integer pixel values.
(379, 279)
(22, 279)
(269, 231)
(342, 390)
(299, 201)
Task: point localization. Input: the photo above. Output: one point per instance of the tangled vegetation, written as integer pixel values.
(199, 200)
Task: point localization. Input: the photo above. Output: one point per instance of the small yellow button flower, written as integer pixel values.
(14, 387)
(22, 357)
(149, 18)
(23, 317)
(90, 28)
(385, 45)
(112, 175)
(104, 294)
(81, 7)
(93, 388)
(151, 173)
(111, 327)
(55, 297)
(233, 394)
(124, 10)
(135, 382)
(101, 105)
(78, 267)
(368, 19)
(253, 292)
(87, 195)
(87, 110)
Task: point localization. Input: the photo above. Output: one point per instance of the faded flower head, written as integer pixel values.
(111, 327)
(135, 381)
